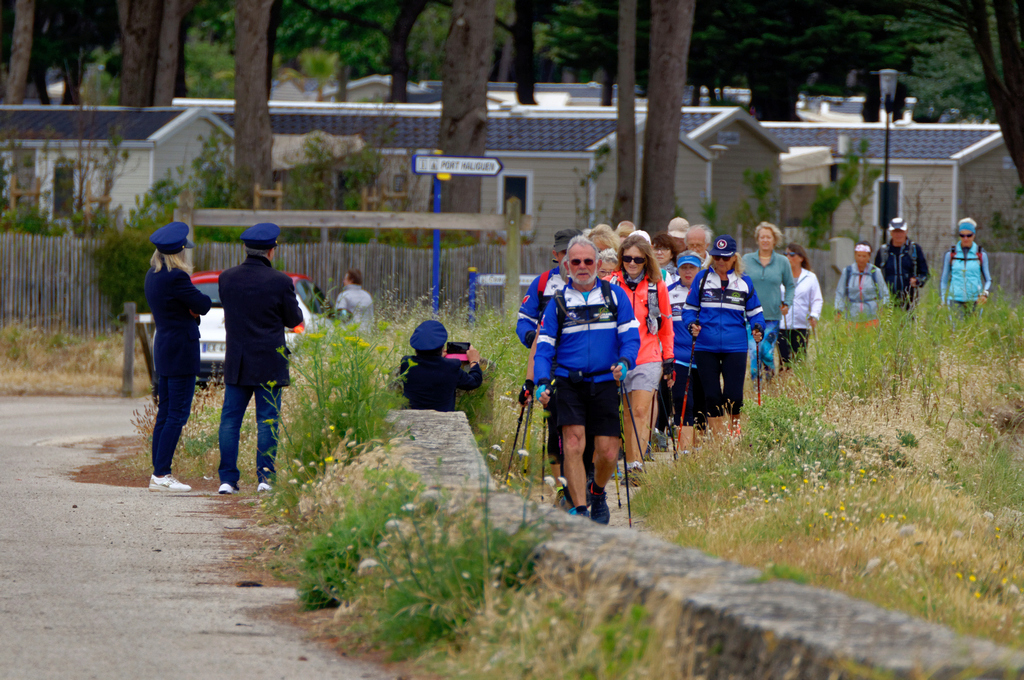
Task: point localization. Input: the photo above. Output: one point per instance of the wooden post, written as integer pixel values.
(183, 213)
(147, 353)
(513, 218)
(128, 374)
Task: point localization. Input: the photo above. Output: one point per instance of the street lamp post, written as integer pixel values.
(887, 85)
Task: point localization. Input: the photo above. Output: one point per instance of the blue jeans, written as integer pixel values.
(268, 410)
(174, 403)
(771, 333)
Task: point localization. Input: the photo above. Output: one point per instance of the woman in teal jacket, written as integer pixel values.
(966, 278)
(770, 273)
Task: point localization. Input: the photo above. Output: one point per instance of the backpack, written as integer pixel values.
(562, 309)
(981, 264)
(884, 251)
(654, 318)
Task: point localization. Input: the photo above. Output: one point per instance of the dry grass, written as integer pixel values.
(34, 362)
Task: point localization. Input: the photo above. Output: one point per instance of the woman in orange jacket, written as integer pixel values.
(640, 276)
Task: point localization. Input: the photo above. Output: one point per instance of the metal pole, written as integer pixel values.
(128, 373)
(472, 295)
(885, 188)
(436, 287)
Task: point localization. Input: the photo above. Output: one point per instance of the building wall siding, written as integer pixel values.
(727, 187)
(987, 187)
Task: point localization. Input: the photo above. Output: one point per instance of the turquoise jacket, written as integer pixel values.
(767, 280)
(965, 276)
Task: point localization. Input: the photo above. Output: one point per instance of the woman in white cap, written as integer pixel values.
(861, 289)
(176, 305)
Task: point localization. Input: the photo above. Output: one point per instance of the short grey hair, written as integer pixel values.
(578, 241)
(257, 252)
(610, 256)
(709, 235)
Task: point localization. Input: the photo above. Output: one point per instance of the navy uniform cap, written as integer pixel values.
(429, 336)
(262, 236)
(171, 238)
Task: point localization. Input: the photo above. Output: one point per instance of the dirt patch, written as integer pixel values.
(248, 566)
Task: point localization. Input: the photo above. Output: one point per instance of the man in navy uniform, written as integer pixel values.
(259, 303)
(429, 378)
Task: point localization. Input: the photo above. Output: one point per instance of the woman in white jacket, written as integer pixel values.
(803, 316)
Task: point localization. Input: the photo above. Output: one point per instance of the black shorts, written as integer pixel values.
(593, 405)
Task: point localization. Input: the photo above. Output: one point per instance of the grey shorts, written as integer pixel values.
(643, 377)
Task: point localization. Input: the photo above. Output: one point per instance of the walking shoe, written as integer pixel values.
(562, 500)
(580, 513)
(661, 440)
(167, 483)
(226, 488)
(263, 487)
(599, 508)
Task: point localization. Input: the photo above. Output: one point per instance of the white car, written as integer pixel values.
(213, 337)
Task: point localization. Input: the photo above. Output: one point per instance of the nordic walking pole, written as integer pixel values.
(629, 407)
(543, 456)
(757, 351)
(526, 433)
(686, 392)
(670, 415)
(508, 470)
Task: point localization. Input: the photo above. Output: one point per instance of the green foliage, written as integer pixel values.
(121, 263)
(29, 219)
(997, 479)
(765, 193)
(709, 213)
(209, 67)
(784, 572)
(947, 78)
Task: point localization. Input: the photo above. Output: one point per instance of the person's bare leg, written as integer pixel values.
(717, 427)
(574, 439)
(640, 400)
(686, 437)
(606, 455)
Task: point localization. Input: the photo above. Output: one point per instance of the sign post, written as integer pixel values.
(442, 168)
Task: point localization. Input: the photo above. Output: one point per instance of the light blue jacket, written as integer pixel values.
(859, 293)
(964, 275)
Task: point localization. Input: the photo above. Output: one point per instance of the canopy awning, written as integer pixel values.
(806, 165)
(290, 150)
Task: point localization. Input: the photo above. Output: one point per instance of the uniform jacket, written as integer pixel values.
(429, 383)
(656, 346)
(532, 308)
(171, 295)
(900, 266)
(807, 302)
(259, 302)
(725, 311)
(677, 292)
(766, 281)
(591, 341)
(964, 275)
(859, 293)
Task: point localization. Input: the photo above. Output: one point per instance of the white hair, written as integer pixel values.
(709, 235)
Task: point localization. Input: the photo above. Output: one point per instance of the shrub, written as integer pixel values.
(122, 260)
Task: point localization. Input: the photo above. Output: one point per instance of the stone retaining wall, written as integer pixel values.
(739, 627)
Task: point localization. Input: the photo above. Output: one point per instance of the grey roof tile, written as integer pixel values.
(63, 123)
(919, 142)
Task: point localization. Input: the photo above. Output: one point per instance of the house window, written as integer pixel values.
(517, 185)
(63, 189)
(894, 191)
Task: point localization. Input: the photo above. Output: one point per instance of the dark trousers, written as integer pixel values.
(174, 403)
(268, 409)
(792, 344)
(722, 376)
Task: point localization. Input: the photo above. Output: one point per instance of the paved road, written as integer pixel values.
(124, 585)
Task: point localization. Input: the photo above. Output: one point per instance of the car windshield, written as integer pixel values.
(211, 289)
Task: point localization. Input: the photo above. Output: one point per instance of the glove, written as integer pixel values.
(668, 370)
(530, 337)
(625, 368)
(526, 391)
(543, 387)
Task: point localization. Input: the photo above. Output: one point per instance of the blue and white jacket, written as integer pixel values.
(591, 340)
(724, 311)
(677, 292)
(532, 307)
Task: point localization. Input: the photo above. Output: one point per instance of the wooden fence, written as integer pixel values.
(51, 282)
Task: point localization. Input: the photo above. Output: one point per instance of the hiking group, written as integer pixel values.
(638, 342)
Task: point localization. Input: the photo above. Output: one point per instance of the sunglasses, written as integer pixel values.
(577, 262)
(630, 258)
(968, 235)
(656, 248)
(721, 257)
(791, 254)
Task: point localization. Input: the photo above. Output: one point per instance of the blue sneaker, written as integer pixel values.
(580, 513)
(599, 508)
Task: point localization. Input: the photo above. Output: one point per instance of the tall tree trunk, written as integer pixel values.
(167, 53)
(140, 41)
(607, 87)
(467, 63)
(505, 61)
(523, 35)
(253, 138)
(671, 26)
(39, 78)
(180, 85)
(399, 44)
(343, 73)
(21, 50)
(625, 130)
(3, 68)
(275, 21)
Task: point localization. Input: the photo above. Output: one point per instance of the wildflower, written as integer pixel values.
(465, 575)
(972, 578)
(523, 453)
(977, 594)
(332, 428)
(496, 447)
(329, 459)
(959, 576)
(492, 456)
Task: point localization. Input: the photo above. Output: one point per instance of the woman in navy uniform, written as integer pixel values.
(176, 305)
(429, 378)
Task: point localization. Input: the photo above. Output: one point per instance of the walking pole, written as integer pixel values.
(526, 435)
(670, 415)
(629, 407)
(757, 351)
(543, 456)
(686, 392)
(508, 470)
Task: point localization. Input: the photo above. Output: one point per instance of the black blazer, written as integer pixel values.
(171, 296)
(430, 382)
(259, 302)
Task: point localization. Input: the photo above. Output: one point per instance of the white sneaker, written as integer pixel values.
(226, 488)
(263, 487)
(167, 483)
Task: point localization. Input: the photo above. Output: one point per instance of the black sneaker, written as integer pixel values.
(580, 513)
(590, 481)
(599, 508)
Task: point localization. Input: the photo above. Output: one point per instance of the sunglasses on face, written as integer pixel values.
(966, 235)
(790, 254)
(721, 257)
(629, 258)
(586, 262)
(662, 248)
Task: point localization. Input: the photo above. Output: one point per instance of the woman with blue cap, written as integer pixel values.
(429, 379)
(687, 384)
(176, 305)
(720, 304)
(966, 278)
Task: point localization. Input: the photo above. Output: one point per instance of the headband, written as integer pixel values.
(861, 248)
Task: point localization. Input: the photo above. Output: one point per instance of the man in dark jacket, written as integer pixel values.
(902, 263)
(259, 303)
(429, 379)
